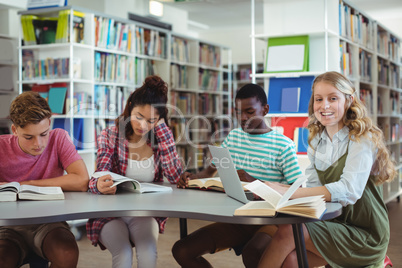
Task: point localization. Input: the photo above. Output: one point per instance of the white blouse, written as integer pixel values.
(359, 162)
(143, 171)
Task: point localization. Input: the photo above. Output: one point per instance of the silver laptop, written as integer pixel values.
(228, 173)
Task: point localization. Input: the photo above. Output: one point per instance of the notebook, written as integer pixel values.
(228, 173)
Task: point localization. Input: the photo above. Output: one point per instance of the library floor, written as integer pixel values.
(94, 257)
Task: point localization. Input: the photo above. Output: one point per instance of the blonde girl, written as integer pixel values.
(349, 162)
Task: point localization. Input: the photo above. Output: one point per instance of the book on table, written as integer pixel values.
(132, 184)
(13, 190)
(273, 202)
(210, 184)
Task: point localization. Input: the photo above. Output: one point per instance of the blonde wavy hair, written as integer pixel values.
(359, 123)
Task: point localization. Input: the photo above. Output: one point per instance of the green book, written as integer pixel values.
(57, 98)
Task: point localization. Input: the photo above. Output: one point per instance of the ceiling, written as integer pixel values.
(229, 13)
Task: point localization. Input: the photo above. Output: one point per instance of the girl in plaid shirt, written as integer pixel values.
(142, 144)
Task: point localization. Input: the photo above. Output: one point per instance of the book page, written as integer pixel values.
(292, 189)
(117, 179)
(253, 208)
(49, 190)
(11, 186)
(202, 182)
(264, 191)
(151, 187)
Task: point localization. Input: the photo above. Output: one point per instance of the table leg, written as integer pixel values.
(183, 227)
(300, 246)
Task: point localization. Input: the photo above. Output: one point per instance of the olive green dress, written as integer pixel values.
(359, 236)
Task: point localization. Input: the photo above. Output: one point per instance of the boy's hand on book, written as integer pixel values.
(184, 178)
(244, 176)
(104, 183)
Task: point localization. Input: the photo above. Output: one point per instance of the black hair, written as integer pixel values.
(252, 90)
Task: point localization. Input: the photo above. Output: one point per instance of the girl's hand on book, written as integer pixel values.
(104, 184)
(279, 187)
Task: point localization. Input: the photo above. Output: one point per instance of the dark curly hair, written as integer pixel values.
(154, 92)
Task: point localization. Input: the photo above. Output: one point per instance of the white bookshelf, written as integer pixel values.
(106, 91)
(360, 53)
(8, 78)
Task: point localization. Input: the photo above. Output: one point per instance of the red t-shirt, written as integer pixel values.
(16, 165)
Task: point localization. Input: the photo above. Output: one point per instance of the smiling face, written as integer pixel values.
(143, 119)
(33, 138)
(329, 106)
(250, 113)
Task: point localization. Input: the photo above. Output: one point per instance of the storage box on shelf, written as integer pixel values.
(197, 96)
(343, 39)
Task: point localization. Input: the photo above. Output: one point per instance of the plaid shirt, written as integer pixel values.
(113, 156)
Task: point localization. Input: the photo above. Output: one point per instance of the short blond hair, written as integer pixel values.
(29, 108)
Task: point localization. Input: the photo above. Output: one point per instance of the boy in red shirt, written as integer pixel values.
(38, 156)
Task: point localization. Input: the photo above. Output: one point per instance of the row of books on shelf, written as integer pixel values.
(199, 130)
(388, 45)
(114, 35)
(178, 76)
(144, 68)
(49, 68)
(184, 103)
(180, 50)
(101, 124)
(367, 99)
(150, 42)
(209, 104)
(392, 133)
(355, 26)
(209, 80)
(48, 30)
(113, 68)
(388, 74)
(365, 65)
(110, 101)
(210, 55)
(346, 58)
(394, 99)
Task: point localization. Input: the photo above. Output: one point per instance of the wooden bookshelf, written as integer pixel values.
(344, 39)
(200, 101)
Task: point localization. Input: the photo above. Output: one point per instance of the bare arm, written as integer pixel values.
(75, 180)
(302, 192)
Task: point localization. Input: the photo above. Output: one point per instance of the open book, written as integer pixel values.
(210, 184)
(132, 184)
(274, 202)
(10, 192)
